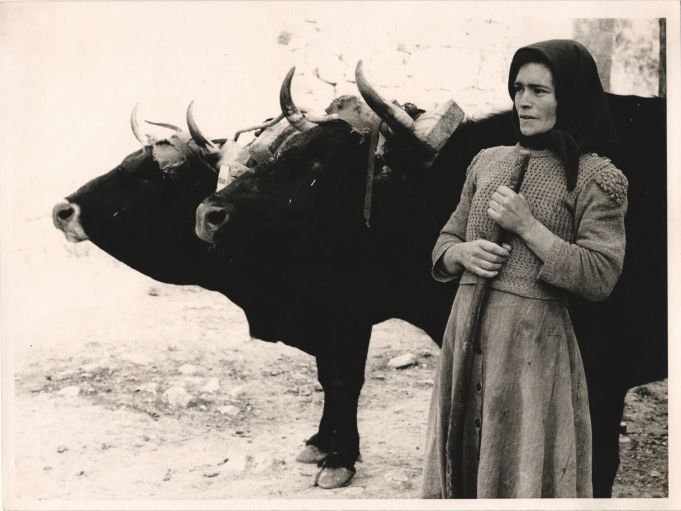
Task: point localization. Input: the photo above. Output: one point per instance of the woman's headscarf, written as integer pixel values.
(583, 120)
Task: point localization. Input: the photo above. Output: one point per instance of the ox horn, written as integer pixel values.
(293, 114)
(262, 126)
(396, 118)
(195, 131)
(136, 127)
(164, 125)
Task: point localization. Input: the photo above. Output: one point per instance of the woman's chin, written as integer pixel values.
(530, 129)
(528, 132)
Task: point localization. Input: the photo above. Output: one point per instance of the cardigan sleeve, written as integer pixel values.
(591, 266)
(454, 230)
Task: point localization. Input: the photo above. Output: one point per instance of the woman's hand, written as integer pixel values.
(511, 211)
(480, 257)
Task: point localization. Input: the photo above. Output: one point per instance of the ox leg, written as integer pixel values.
(606, 414)
(317, 447)
(341, 373)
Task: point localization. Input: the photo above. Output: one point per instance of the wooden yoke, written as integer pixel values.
(435, 126)
(236, 160)
(431, 130)
(265, 146)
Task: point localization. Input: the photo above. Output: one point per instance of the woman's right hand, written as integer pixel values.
(480, 257)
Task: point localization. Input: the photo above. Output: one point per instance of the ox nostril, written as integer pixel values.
(66, 217)
(216, 217)
(65, 213)
(62, 213)
(209, 219)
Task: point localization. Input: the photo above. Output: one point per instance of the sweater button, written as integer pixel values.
(477, 423)
(478, 386)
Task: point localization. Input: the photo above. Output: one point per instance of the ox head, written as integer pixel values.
(304, 207)
(308, 190)
(312, 184)
(142, 211)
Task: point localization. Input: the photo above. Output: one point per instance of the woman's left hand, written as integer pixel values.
(510, 210)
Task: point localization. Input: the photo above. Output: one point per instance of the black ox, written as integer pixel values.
(322, 277)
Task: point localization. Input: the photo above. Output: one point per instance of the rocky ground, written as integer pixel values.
(192, 408)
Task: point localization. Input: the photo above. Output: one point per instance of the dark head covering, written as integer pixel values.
(583, 120)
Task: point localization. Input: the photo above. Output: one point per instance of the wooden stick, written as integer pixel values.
(471, 338)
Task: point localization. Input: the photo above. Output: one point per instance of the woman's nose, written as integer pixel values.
(522, 100)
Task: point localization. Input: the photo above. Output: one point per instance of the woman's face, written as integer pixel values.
(535, 99)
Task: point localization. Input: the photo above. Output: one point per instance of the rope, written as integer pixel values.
(371, 164)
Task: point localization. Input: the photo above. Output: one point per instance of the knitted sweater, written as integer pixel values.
(586, 260)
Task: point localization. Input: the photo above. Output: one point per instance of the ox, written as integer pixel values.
(320, 277)
(143, 211)
(140, 211)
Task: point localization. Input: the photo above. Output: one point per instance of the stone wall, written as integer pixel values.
(627, 52)
(465, 59)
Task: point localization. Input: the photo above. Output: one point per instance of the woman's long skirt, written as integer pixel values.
(526, 426)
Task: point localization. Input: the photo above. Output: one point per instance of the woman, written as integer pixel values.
(523, 427)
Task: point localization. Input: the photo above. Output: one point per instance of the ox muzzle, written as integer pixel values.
(66, 218)
(209, 220)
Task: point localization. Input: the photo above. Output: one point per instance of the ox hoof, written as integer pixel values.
(329, 478)
(311, 454)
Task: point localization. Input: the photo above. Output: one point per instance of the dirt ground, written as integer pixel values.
(189, 407)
